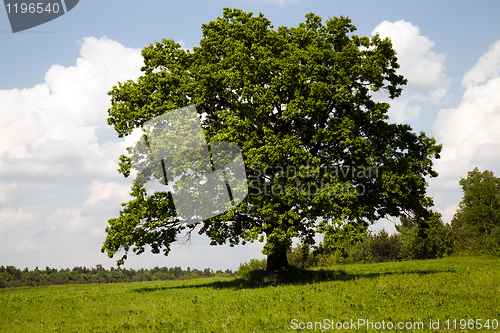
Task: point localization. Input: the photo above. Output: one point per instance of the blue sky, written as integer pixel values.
(58, 157)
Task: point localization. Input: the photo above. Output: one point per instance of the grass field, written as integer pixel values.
(414, 292)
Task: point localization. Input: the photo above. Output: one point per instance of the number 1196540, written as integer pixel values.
(32, 8)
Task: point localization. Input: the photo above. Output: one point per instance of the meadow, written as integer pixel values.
(459, 292)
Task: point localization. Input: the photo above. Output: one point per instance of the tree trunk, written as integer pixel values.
(277, 261)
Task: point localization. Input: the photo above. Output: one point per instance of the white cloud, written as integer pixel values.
(11, 221)
(488, 66)
(5, 191)
(103, 198)
(424, 69)
(448, 212)
(16, 229)
(470, 133)
(67, 219)
(184, 45)
(52, 129)
(51, 157)
(387, 224)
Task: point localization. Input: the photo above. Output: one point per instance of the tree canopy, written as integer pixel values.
(319, 151)
(477, 220)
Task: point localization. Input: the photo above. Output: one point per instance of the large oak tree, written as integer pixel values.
(318, 150)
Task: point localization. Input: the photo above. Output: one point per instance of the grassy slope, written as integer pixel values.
(454, 288)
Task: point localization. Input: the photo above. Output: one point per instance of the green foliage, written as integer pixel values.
(434, 241)
(492, 242)
(252, 265)
(302, 257)
(383, 247)
(426, 240)
(477, 221)
(341, 245)
(409, 291)
(342, 238)
(355, 244)
(299, 97)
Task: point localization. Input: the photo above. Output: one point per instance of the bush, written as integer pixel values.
(492, 242)
(382, 247)
(252, 265)
(434, 240)
(302, 257)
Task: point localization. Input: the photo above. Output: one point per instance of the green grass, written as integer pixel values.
(413, 291)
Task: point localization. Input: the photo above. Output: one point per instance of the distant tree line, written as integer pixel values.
(11, 276)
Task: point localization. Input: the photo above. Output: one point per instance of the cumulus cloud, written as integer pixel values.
(16, 231)
(424, 69)
(11, 220)
(53, 128)
(58, 174)
(448, 212)
(488, 66)
(470, 133)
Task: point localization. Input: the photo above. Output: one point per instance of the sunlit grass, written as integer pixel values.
(453, 288)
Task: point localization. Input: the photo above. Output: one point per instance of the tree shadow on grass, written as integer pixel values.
(292, 276)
